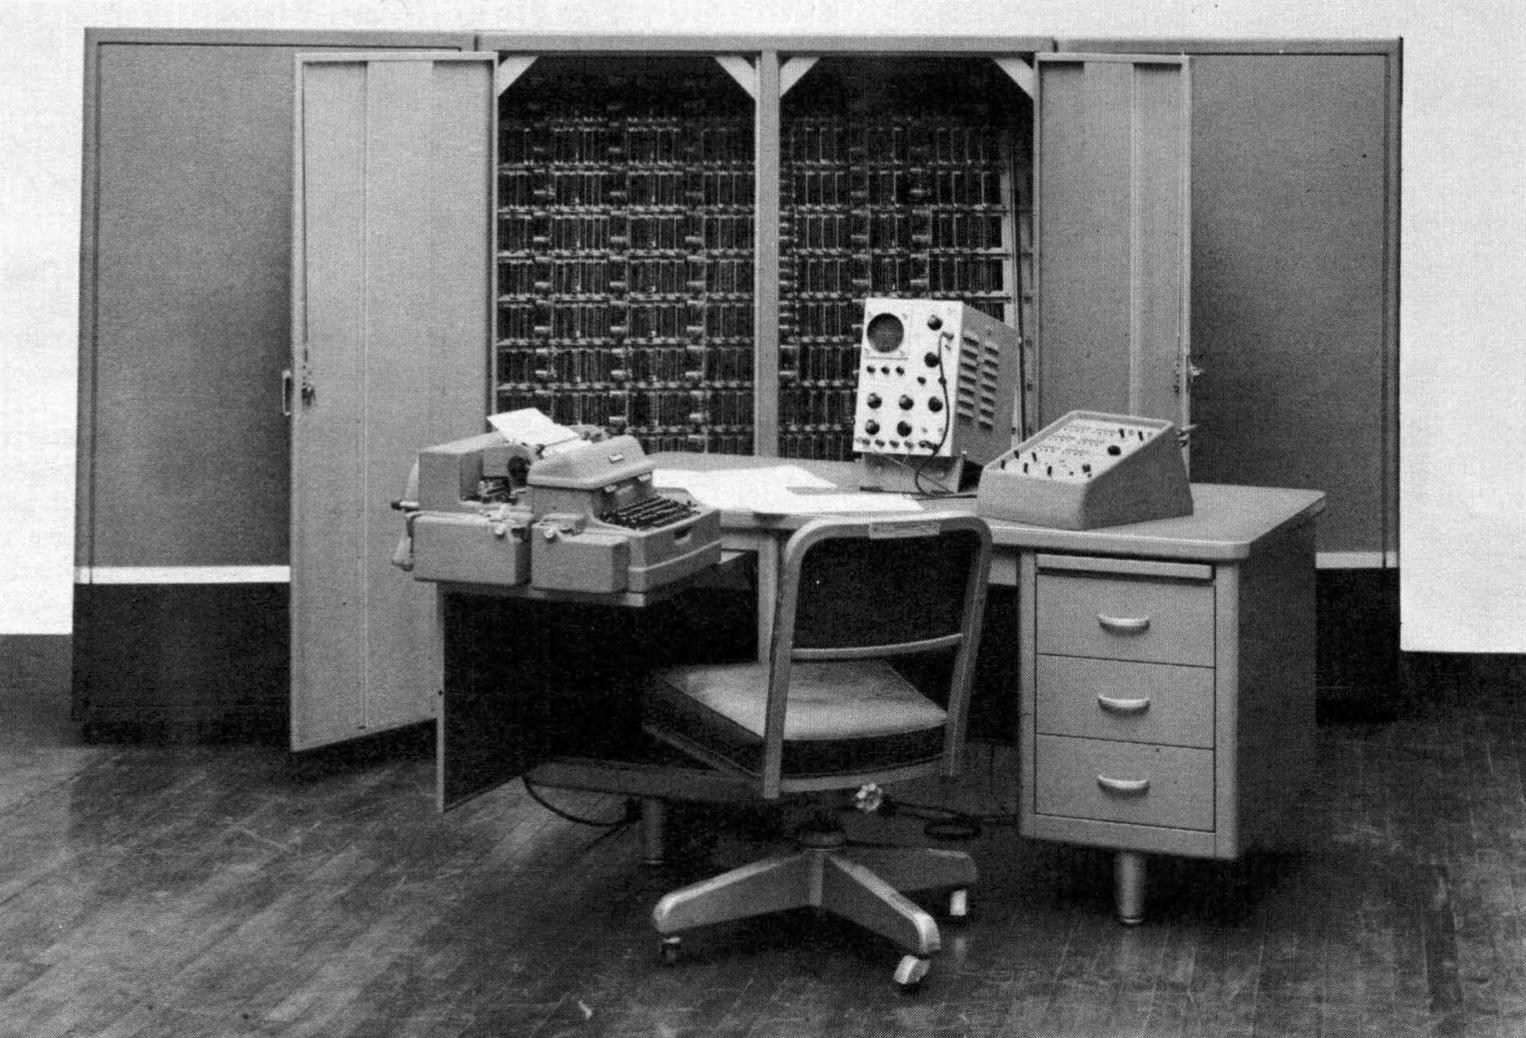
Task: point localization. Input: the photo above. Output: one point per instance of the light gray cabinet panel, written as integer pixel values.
(1112, 216)
(1295, 274)
(391, 294)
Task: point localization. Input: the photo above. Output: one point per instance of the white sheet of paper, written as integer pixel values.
(856, 504)
(777, 490)
(530, 426)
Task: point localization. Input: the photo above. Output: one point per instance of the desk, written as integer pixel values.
(1166, 672)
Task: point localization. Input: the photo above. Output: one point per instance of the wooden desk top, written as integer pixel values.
(1227, 520)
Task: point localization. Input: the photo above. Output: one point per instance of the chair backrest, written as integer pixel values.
(856, 588)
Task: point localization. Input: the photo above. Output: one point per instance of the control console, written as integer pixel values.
(1089, 469)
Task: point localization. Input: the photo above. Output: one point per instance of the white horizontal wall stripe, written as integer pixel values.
(282, 574)
(1356, 560)
(182, 575)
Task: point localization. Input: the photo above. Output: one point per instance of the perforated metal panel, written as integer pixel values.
(625, 252)
(897, 180)
(626, 235)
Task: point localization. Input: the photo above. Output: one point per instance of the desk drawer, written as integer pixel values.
(1124, 782)
(1122, 700)
(1116, 617)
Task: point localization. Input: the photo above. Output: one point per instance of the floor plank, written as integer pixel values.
(242, 890)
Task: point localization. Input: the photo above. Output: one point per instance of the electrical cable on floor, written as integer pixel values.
(946, 823)
(600, 823)
(939, 823)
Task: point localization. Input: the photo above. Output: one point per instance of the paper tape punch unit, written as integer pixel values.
(526, 504)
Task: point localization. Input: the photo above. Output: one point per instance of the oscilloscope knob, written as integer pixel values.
(904, 428)
(873, 400)
(871, 427)
(907, 403)
(934, 322)
(934, 404)
(930, 359)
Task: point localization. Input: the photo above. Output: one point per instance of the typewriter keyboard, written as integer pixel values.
(648, 513)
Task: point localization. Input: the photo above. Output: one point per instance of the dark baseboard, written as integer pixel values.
(1364, 677)
(35, 675)
(35, 664)
(1461, 677)
(1358, 659)
(181, 663)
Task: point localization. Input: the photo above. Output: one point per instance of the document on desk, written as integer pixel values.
(778, 490)
(531, 427)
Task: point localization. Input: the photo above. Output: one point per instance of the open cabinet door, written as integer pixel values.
(1112, 211)
(391, 331)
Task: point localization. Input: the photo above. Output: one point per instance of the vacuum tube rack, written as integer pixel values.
(625, 246)
(625, 272)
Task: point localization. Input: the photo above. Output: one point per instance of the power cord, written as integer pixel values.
(940, 823)
(628, 818)
(944, 823)
(916, 476)
(936, 494)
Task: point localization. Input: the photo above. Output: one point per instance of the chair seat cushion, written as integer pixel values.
(851, 699)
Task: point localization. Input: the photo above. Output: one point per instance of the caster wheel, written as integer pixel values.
(672, 951)
(959, 905)
(909, 973)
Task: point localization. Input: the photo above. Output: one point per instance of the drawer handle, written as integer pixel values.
(1124, 787)
(1123, 706)
(1124, 624)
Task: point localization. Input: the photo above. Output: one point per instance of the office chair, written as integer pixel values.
(827, 711)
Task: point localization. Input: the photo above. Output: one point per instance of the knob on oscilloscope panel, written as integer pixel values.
(936, 380)
(1089, 469)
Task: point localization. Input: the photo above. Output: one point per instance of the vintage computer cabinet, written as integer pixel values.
(733, 268)
(183, 499)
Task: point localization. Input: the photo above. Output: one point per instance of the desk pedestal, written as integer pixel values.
(1167, 704)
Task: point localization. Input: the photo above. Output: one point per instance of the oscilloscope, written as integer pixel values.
(936, 384)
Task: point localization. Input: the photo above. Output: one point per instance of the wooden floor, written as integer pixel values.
(241, 890)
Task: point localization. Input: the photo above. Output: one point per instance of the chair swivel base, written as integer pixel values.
(862, 884)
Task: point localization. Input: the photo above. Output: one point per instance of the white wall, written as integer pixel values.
(1463, 410)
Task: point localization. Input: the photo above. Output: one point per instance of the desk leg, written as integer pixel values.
(768, 591)
(1129, 886)
(653, 815)
(439, 702)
